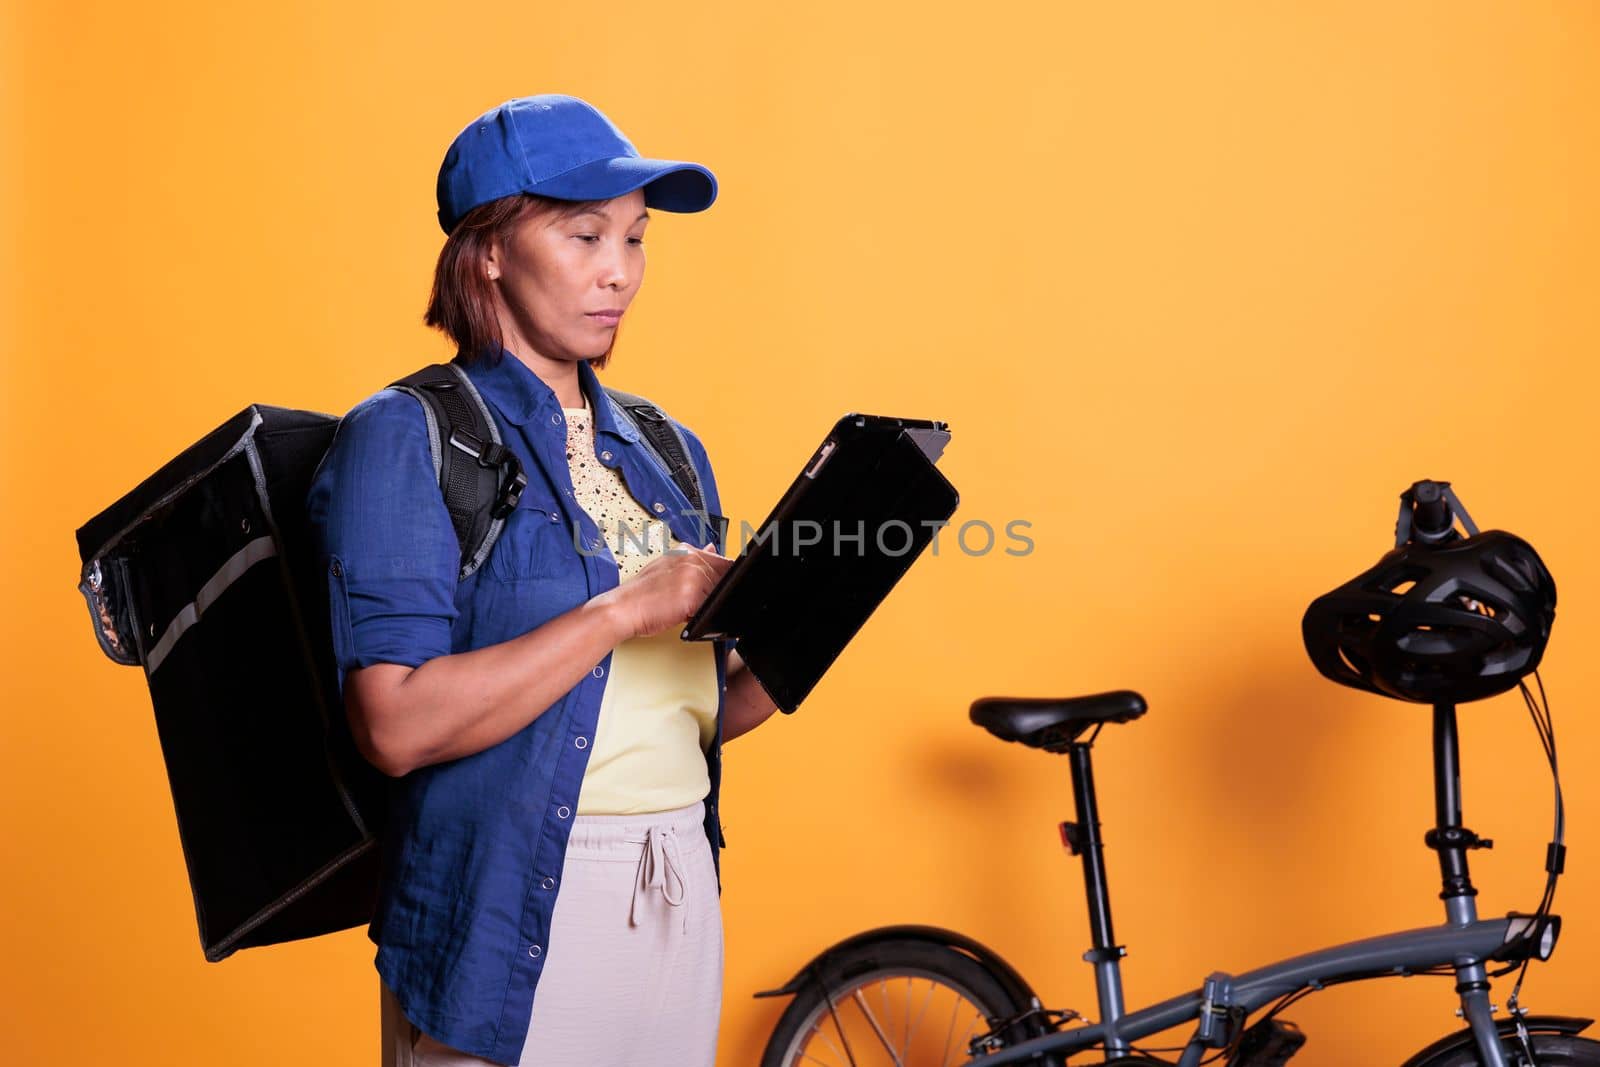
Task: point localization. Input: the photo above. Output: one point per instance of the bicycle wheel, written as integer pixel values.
(1549, 1050)
(906, 1003)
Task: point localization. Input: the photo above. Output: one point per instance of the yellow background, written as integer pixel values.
(1199, 288)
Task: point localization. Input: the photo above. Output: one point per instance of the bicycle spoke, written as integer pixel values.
(839, 1026)
(973, 1031)
(912, 1040)
(817, 1029)
(884, 990)
(944, 1053)
(905, 1044)
(866, 1009)
(920, 1015)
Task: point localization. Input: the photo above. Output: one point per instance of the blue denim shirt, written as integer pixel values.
(472, 854)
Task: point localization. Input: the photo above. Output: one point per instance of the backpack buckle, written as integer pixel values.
(648, 412)
(472, 445)
(495, 456)
(511, 491)
(487, 453)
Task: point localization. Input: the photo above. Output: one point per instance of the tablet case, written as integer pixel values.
(858, 515)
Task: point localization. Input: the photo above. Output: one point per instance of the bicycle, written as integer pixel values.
(845, 998)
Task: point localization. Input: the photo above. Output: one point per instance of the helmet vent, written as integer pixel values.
(1454, 621)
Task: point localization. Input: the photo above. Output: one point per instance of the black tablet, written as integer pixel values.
(860, 511)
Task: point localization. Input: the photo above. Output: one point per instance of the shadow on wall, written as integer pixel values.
(988, 811)
(1219, 830)
(1293, 805)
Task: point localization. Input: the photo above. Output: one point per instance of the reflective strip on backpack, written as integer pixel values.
(248, 556)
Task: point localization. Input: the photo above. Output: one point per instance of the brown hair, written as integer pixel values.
(461, 305)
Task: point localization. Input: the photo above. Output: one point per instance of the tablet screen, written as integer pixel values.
(863, 508)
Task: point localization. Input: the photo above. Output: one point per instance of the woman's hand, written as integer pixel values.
(455, 705)
(668, 589)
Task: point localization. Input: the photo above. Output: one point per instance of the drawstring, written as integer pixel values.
(660, 863)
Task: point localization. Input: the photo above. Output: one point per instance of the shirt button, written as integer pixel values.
(548, 883)
(535, 951)
(563, 811)
(581, 742)
(659, 506)
(555, 518)
(337, 570)
(598, 671)
(555, 420)
(606, 456)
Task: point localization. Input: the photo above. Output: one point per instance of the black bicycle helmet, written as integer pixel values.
(1441, 618)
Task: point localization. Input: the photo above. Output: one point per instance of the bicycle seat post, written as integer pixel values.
(1448, 837)
(1083, 839)
(1452, 841)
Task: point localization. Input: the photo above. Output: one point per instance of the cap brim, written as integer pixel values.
(669, 184)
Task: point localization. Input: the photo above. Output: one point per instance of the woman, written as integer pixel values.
(550, 885)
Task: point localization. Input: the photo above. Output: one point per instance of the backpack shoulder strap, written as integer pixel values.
(480, 477)
(664, 440)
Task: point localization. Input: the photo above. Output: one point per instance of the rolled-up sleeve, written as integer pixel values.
(384, 538)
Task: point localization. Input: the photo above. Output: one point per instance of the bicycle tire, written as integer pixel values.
(940, 966)
(1549, 1050)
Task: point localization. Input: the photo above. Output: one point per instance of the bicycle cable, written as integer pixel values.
(1556, 853)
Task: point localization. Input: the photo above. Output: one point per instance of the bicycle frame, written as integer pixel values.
(1465, 942)
(1399, 953)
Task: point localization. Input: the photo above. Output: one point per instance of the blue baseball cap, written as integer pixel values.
(562, 147)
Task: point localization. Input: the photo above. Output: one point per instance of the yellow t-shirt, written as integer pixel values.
(658, 714)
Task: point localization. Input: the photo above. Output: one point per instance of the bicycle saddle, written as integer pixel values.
(1041, 722)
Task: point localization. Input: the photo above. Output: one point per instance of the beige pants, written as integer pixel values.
(634, 968)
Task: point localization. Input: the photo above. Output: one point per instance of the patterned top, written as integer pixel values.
(632, 533)
(659, 713)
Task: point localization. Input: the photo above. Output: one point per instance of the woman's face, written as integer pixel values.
(556, 273)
